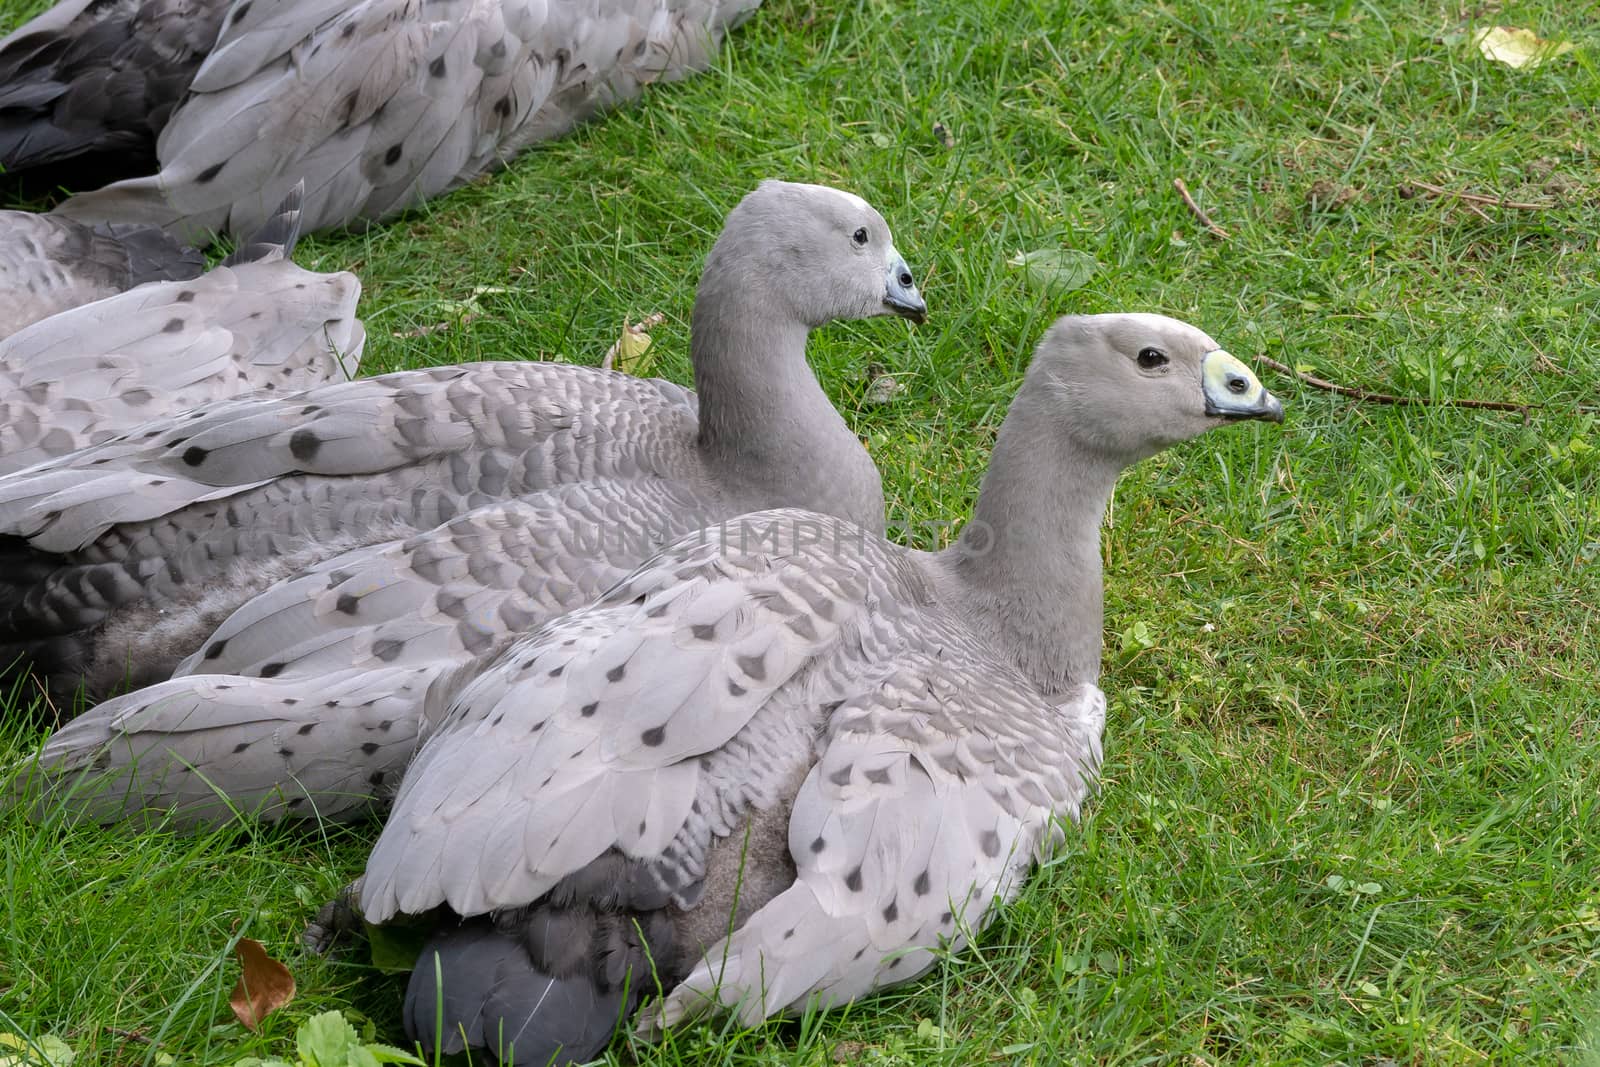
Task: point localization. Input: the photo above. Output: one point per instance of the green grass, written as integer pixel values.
(1351, 807)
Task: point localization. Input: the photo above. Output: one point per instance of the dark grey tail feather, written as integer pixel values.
(153, 256)
(481, 984)
(276, 237)
(86, 101)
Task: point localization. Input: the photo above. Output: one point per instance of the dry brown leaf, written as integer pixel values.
(264, 986)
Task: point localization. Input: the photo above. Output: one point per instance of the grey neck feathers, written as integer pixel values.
(1027, 569)
(769, 436)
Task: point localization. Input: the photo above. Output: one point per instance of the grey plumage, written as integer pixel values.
(602, 468)
(86, 87)
(915, 724)
(384, 103)
(49, 264)
(257, 322)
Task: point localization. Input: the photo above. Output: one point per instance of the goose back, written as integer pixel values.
(381, 104)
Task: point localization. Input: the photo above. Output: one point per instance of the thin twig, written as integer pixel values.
(1370, 397)
(129, 1035)
(1478, 198)
(1194, 209)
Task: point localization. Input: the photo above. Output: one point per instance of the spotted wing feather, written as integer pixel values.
(205, 748)
(448, 439)
(926, 807)
(589, 734)
(384, 103)
(86, 375)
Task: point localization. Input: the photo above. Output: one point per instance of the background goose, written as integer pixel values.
(256, 322)
(838, 749)
(86, 87)
(190, 517)
(49, 264)
(383, 103)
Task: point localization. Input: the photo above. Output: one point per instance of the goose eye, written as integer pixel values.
(1151, 358)
(859, 237)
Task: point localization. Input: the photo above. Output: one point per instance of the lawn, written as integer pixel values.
(1351, 806)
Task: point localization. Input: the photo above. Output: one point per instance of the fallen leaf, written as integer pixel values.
(1517, 48)
(47, 1050)
(395, 947)
(264, 985)
(1056, 270)
(1328, 196)
(881, 385)
(628, 354)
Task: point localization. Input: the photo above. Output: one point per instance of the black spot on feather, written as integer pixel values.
(209, 173)
(304, 444)
(436, 68)
(852, 881)
(215, 649)
(589, 709)
(194, 455)
(174, 325)
(654, 736)
(369, 747)
(272, 670)
(347, 604)
(392, 156)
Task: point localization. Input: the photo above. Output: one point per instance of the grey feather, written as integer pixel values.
(86, 375)
(384, 103)
(49, 264)
(922, 722)
(86, 87)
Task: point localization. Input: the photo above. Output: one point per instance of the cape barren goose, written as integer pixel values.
(381, 104)
(121, 559)
(255, 323)
(786, 759)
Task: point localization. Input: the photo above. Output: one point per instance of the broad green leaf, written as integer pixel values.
(326, 1040)
(47, 1050)
(395, 948)
(1055, 270)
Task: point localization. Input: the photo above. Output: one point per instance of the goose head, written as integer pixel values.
(1127, 386)
(814, 254)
